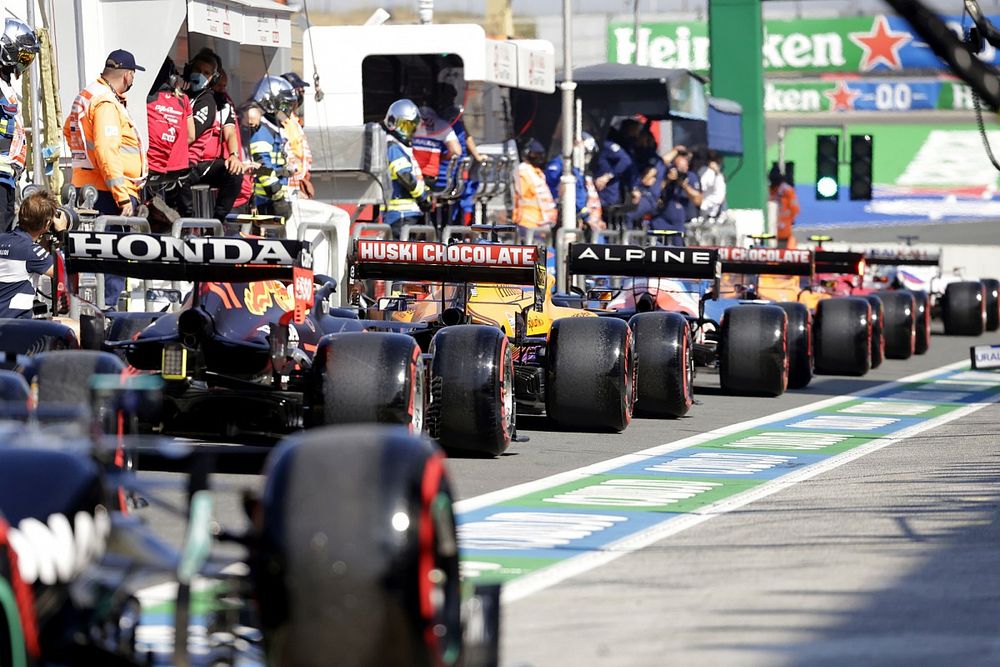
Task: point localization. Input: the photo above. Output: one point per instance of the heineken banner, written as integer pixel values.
(866, 95)
(855, 44)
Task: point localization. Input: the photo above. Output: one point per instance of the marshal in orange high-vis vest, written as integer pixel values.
(107, 150)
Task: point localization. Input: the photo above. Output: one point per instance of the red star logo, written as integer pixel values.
(881, 45)
(842, 98)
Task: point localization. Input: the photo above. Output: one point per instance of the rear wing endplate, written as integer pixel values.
(840, 262)
(767, 261)
(598, 259)
(430, 261)
(198, 259)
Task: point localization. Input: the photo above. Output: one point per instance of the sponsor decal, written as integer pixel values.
(59, 549)
(260, 296)
(880, 43)
(776, 255)
(169, 249)
(651, 261)
(986, 356)
(460, 254)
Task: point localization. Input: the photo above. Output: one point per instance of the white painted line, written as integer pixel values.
(511, 492)
(554, 574)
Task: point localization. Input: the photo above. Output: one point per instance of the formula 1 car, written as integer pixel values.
(966, 307)
(483, 314)
(246, 352)
(351, 552)
(671, 297)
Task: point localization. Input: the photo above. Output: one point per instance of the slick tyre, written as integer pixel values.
(31, 337)
(963, 309)
(991, 287)
(15, 396)
(369, 378)
(899, 329)
(65, 378)
(357, 555)
(753, 350)
(922, 317)
(842, 334)
(65, 382)
(664, 385)
(472, 389)
(590, 376)
(878, 329)
(800, 346)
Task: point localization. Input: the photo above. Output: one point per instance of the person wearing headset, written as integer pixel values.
(213, 145)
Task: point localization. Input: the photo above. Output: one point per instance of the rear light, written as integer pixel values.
(174, 366)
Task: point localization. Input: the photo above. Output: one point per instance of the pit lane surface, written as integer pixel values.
(890, 558)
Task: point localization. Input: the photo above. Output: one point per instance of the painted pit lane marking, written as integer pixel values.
(511, 535)
(721, 463)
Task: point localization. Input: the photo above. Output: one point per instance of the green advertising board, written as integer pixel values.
(851, 44)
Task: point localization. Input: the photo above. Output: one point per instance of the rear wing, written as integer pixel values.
(198, 259)
(597, 259)
(841, 262)
(767, 261)
(430, 261)
(902, 256)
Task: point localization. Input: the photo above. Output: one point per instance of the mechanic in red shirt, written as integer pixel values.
(213, 145)
(167, 113)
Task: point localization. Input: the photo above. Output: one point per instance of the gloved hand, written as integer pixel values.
(425, 204)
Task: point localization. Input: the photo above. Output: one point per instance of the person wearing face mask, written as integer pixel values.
(18, 48)
(213, 150)
(534, 207)
(167, 112)
(107, 151)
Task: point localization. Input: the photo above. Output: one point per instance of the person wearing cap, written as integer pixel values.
(783, 195)
(299, 154)
(534, 207)
(107, 150)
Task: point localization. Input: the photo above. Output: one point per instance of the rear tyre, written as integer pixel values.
(664, 385)
(14, 396)
(590, 378)
(963, 309)
(922, 315)
(878, 329)
(992, 288)
(31, 337)
(898, 324)
(65, 378)
(800, 347)
(842, 333)
(368, 378)
(358, 555)
(472, 389)
(753, 351)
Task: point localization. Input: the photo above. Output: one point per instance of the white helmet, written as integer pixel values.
(275, 94)
(402, 119)
(18, 46)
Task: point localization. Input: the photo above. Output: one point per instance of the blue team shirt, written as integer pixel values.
(20, 258)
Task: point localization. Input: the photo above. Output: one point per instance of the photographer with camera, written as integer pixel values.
(22, 258)
(681, 196)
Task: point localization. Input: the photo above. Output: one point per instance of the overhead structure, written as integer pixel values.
(90, 29)
(350, 53)
(736, 40)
